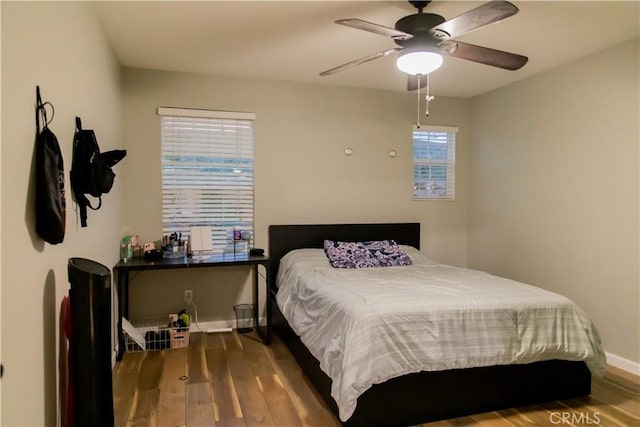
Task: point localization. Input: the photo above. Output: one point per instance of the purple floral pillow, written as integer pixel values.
(379, 253)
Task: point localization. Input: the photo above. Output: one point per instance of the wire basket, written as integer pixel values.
(158, 335)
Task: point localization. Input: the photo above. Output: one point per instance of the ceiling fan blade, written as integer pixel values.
(374, 28)
(360, 61)
(483, 55)
(485, 14)
(412, 82)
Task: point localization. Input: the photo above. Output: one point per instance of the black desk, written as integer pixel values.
(122, 270)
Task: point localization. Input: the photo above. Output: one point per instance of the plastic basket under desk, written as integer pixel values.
(158, 335)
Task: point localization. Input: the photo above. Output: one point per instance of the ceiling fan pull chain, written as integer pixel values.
(428, 97)
(418, 101)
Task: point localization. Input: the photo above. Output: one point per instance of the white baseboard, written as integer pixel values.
(622, 363)
(218, 325)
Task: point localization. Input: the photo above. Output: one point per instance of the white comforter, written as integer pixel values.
(368, 325)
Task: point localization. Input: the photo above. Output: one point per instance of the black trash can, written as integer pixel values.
(244, 318)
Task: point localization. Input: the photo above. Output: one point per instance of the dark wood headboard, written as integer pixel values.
(285, 238)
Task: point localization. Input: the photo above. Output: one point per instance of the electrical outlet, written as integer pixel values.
(188, 296)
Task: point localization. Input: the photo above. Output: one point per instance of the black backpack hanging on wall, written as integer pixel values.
(91, 170)
(50, 200)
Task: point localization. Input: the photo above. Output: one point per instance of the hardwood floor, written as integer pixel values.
(230, 379)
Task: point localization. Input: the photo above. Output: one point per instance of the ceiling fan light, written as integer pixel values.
(419, 62)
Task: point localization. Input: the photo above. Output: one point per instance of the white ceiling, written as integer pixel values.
(295, 40)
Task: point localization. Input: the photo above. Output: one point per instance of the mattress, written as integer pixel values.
(368, 325)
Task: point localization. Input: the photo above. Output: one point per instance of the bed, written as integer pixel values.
(420, 396)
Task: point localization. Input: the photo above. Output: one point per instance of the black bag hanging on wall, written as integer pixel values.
(91, 170)
(50, 201)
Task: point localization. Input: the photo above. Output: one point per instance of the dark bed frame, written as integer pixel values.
(424, 396)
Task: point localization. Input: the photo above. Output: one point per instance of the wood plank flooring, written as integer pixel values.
(230, 379)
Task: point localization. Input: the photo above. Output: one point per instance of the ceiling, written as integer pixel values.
(295, 40)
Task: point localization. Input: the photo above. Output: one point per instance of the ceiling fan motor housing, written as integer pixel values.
(419, 25)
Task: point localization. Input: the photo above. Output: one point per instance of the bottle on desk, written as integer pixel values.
(126, 250)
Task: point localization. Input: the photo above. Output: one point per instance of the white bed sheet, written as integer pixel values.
(368, 325)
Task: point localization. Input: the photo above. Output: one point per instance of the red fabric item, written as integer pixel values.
(65, 367)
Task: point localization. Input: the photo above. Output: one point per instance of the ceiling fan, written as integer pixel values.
(424, 37)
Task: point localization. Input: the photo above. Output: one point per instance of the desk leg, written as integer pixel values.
(266, 334)
(256, 299)
(268, 304)
(122, 285)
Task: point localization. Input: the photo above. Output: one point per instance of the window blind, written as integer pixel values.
(434, 153)
(207, 173)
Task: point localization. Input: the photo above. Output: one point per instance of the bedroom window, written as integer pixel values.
(434, 162)
(207, 173)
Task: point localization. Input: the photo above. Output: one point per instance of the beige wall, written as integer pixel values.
(301, 175)
(61, 47)
(554, 188)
